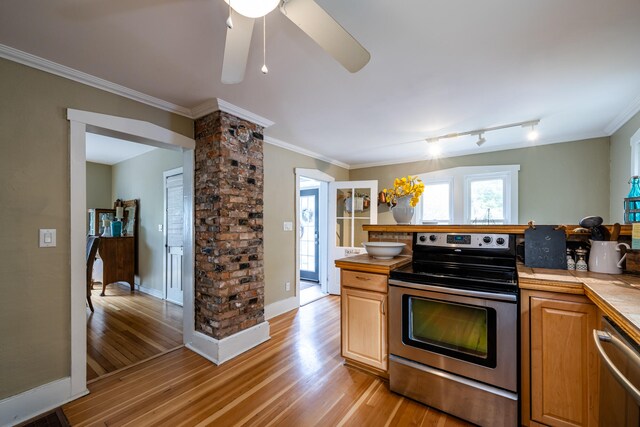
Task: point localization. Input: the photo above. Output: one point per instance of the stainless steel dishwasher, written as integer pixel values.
(619, 376)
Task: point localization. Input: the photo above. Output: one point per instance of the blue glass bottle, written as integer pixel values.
(634, 192)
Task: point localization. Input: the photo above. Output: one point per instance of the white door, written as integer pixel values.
(352, 204)
(174, 225)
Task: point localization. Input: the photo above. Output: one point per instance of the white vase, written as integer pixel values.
(403, 211)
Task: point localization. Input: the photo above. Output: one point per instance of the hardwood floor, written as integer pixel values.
(127, 328)
(297, 378)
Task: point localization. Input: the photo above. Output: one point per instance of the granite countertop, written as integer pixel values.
(617, 295)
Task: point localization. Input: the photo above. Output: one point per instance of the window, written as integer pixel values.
(485, 199)
(438, 210)
(470, 195)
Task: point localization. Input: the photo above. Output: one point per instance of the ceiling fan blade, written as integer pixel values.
(236, 49)
(324, 30)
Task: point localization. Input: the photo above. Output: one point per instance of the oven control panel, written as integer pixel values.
(456, 240)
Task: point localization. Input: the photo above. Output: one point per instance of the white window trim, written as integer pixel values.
(635, 153)
(444, 180)
(506, 177)
(459, 198)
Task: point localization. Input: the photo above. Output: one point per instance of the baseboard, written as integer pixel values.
(279, 307)
(150, 291)
(31, 403)
(220, 351)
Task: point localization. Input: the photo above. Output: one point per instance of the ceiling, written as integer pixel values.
(436, 67)
(109, 151)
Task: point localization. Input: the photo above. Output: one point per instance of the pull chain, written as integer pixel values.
(264, 68)
(229, 21)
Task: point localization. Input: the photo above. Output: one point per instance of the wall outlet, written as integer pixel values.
(287, 286)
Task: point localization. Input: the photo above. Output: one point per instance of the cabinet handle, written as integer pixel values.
(362, 278)
(383, 308)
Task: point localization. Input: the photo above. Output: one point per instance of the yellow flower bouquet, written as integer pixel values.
(402, 187)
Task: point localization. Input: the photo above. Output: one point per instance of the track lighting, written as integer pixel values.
(532, 135)
(434, 150)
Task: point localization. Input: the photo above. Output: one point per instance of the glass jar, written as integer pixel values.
(634, 192)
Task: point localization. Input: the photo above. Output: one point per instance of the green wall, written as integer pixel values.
(141, 178)
(279, 206)
(34, 171)
(558, 183)
(620, 156)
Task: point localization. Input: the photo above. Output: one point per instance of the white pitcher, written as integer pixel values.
(605, 256)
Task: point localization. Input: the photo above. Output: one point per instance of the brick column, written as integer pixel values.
(228, 195)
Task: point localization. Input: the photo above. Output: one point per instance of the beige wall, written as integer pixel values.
(620, 155)
(99, 186)
(34, 171)
(141, 178)
(279, 206)
(558, 183)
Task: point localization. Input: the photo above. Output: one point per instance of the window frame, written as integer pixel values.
(444, 180)
(505, 177)
(635, 153)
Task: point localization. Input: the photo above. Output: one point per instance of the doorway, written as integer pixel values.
(173, 235)
(312, 256)
(130, 324)
(136, 131)
(309, 241)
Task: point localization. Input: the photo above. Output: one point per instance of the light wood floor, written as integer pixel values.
(127, 328)
(297, 378)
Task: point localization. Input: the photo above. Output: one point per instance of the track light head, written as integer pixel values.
(481, 140)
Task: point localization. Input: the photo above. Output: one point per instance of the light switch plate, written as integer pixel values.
(47, 237)
(287, 226)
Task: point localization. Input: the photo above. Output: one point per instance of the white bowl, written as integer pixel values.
(383, 250)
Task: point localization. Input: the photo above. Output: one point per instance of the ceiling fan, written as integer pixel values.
(306, 14)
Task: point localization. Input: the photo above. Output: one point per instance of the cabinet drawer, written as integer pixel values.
(367, 281)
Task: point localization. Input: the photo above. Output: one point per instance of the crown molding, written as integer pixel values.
(305, 152)
(51, 67)
(205, 108)
(216, 104)
(622, 118)
(228, 107)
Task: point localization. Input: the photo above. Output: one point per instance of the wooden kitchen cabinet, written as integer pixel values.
(559, 360)
(363, 323)
(364, 327)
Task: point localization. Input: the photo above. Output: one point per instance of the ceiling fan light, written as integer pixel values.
(254, 8)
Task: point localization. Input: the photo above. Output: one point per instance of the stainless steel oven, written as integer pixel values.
(453, 327)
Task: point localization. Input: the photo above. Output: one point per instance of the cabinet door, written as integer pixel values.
(364, 327)
(563, 362)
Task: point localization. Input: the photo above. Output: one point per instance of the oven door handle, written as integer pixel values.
(455, 291)
(599, 336)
